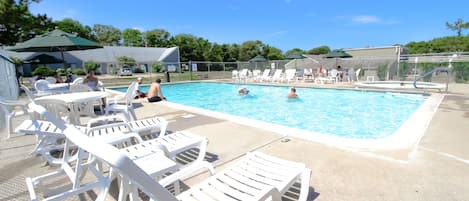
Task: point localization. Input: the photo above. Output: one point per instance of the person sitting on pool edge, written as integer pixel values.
(154, 93)
(292, 93)
(243, 91)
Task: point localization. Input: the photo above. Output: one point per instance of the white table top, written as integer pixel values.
(77, 97)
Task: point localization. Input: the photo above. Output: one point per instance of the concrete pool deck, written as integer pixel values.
(437, 169)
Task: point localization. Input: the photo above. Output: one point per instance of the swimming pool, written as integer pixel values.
(351, 114)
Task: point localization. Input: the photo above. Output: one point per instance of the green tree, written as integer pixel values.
(272, 53)
(107, 34)
(457, 26)
(191, 48)
(233, 53)
(126, 61)
(132, 37)
(17, 24)
(319, 50)
(216, 53)
(294, 50)
(250, 49)
(73, 26)
(157, 38)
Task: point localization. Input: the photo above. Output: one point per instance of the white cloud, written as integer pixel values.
(366, 19)
(371, 19)
(141, 29)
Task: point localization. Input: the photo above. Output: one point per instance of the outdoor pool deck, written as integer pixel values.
(436, 169)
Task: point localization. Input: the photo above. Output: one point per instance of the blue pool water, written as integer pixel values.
(344, 113)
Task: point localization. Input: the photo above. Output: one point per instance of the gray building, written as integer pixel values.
(106, 57)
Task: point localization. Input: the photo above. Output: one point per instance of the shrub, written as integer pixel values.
(91, 65)
(138, 70)
(156, 67)
(78, 71)
(382, 70)
(44, 71)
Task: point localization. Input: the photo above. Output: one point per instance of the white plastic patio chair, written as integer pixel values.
(256, 75)
(127, 108)
(12, 109)
(140, 152)
(243, 75)
(51, 80)
(277, 77)
(41, 86)
(255, 177)
(234, 75)
(74, 169)
(290, 75)
(265, 75)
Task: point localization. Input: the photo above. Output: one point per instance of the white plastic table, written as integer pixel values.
(73, 100)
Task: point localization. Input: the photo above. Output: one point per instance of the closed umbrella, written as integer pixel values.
(55, 41)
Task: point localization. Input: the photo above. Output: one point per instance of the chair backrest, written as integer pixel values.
(234, 73)
(357, 73)
(290, 73)
(41, 85)
(266, 73)
(334, 73)
(28, 92)
(130, 94)
(256, 73)
(277, 73)
(78, 80)
(243, 73)
(51, 80)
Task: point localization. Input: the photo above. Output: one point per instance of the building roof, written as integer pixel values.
(109, 54)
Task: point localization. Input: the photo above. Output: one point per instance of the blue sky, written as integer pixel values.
(284, 24)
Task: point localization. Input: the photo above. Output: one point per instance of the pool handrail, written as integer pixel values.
(440, 69)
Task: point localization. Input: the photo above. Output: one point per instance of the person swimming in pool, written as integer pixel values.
(243, 91)
(292, 93)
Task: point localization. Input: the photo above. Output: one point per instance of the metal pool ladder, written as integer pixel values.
(436, 70)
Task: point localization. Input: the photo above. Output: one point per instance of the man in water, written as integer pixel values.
(292, 93)
(243, 91)
(155, 94)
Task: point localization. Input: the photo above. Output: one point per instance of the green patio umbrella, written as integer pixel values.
(258, 58)
(44, 59)
(295, 55)
(338, 54)
(55, 41)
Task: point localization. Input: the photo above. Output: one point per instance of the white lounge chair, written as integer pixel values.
(290, 75)
(255, 177)
(234, 75)
(277, 77)
(127, 108)
(243, 75)
(73, 169)
(265, 75)
(141, 153)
